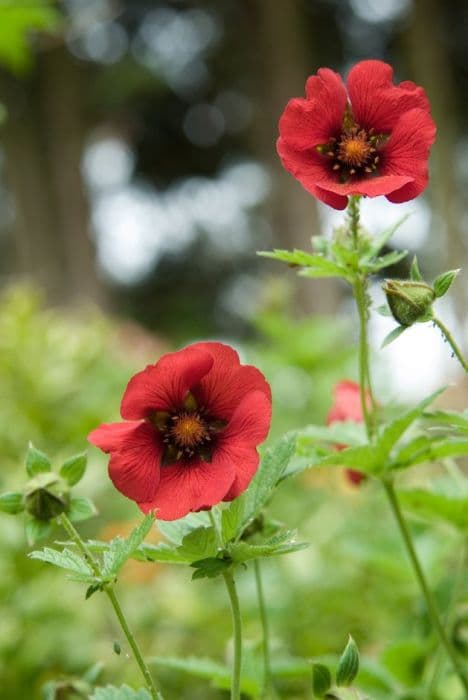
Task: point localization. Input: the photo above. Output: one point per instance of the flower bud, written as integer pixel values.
(409, 301)
(46, 496)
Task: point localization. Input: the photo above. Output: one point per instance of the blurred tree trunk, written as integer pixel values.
(43, 140)
(432, 68)
(278, 31)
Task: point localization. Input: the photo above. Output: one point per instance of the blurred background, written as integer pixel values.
(138, 176)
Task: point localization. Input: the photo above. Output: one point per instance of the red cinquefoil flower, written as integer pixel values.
(370, 137)
(194, 420)
(347, 407)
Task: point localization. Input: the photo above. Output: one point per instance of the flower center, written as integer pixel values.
(187, 433)
(354, 153)
(188, 430)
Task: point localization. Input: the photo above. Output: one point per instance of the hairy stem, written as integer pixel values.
(87, 554)
(237, 631)
(451, 341)
(429, 598)
(268, 687)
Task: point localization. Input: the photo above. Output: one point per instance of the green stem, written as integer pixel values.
(237, 630)
(268, 687)
(430, 602)
(87, 554)
(451, 341)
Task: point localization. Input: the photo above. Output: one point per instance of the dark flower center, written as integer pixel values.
(354, 154)
(187, 432)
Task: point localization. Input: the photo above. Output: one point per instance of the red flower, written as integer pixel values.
(347, 407)
(369, 138)
(194, 420)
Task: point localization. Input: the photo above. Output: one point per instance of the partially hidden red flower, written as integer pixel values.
(193, 422)
(347, 407)
(370, 137)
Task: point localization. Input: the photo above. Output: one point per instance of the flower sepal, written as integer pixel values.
(410, 301)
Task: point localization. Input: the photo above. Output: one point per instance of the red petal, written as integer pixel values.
(310, 122)
(370, 187)
(246, 460)
(378, 103)
(184, 488)
(347, 403)
(135, 468)
(407, 152)
(110, 436)
(163, 386)
(224, 386)
(354, 477)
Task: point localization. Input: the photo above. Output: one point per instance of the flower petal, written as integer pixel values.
(310, 122)
(221, 390)
(407, 151)
(347, 403)
(184, 488)
(135, 468)
(369, 187)
(247, 459)
(376, 102)
(163, 386)
(110, 436)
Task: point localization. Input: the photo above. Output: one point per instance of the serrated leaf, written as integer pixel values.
(110, 692)
(391, 432)
(348, 665)
(393, 335)
(283, 543)
(36, 461)
(11, 503)
(81, 509)
(384, 237)
(429, 450)
(199, 544)
(380, 263)
(415, 273)
(347, 433)
(163, 553)
(231, 518)
(175, 530)
(431, 506)
(73, 469)
(120, 550)
(321, 680)
(272, 466)
(364, 458)
(443, 282)
(209, 567)
(37, 530)
(65, 559)
(314, 265)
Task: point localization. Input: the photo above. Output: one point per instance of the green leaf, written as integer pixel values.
(314, 265)
(120, 550)
(110, 692)
(456, 421)
(11, 502)
(197, 666)
(347, 433)
(431, 506)
(364, 458)
(232, 518)
(384, 310)
(36, 461)
(272, 466)
(415, 273)
(65, 559)
(392, 432)
(74, 468)
(393, 335)
(348, 665)
(321, 680)
(209, 567)
(37, 530)
(431, 451)
(283, 543)
(162, 553)
(407, 659)
(199, 544)
(175, 530)
(443, 282)
(81, 509)
(383, 238)
(379, 263)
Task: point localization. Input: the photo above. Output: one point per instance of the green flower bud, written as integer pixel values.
(46, 496)
(409, 301)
